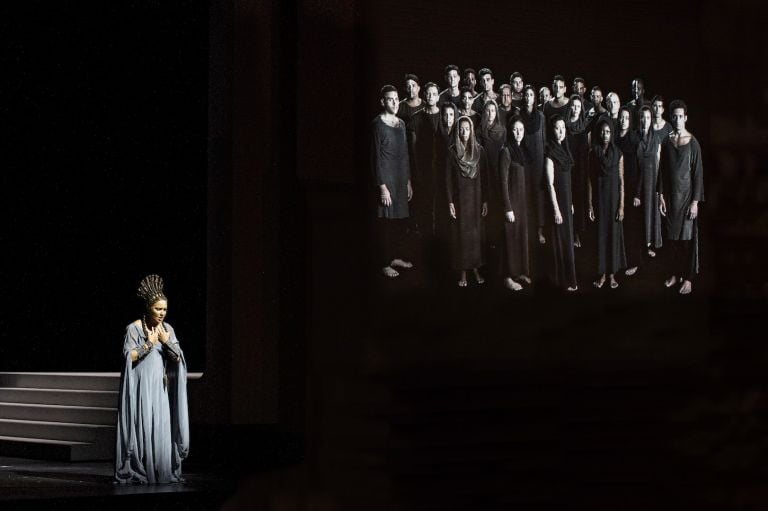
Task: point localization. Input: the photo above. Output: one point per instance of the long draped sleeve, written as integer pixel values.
(504, 161)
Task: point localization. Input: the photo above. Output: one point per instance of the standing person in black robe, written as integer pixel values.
(638, 100)
(443, 140)
(545, 95)
(452, 79)
(469, 79)
(492, 135)
(596, 96)
(607, 172)
(466, 109)
(627, 141)
(660, 125)
(535, 178)
(579, 87)
(412, 102)
(558, 105)
(512, 162)
(516, 81)
(467, 203)
(681, 188)
(487, 82)
(392, 174)
(648, 151)
(558, 165)
(506, 109)
(576, 126)
(421, 138)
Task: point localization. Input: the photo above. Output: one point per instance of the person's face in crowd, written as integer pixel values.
(517, 84)
(560, 131)
(467, 100)
(471, 80)
(624, 120)
(605, 134)
(390, 102)
(575, 108)
(558, 88)
(506, 97)
(613, 104)
(530, 98)
(658, 108)
(678, 119)
(157, 312)
(464, 130)
(579, 88)
(412, 89)
(487, 82)
(637, 89)
(645, 119)
(597, 97)
(518, 131)
(491, 109)
(544, 95)
(432, 96)
(452, 78)
(449, 116)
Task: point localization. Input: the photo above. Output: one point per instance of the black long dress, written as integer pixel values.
(535, 180)
(648, 163)
(512, 161)
(390, 166)
(493, 140)
(468, 229)
(634, 231)
(562, 234)
(577, 132)
(422, 132)
(604, 170)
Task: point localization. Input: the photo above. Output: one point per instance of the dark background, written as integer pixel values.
(374, 394)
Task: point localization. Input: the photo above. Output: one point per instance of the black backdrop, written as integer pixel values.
(104, 115)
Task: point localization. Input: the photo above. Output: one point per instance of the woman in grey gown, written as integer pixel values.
(152, 422)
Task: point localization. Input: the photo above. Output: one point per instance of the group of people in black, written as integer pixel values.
(487, 178)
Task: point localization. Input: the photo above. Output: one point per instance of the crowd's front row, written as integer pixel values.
(491, 191)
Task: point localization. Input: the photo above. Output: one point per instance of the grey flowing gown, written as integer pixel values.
(152, 422)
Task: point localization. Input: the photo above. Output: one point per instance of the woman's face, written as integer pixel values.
(645, 119)
(624, 120)
(491, 109)
(467, 100)
(157, 312)
(518, 131)
(449, 116)
(575, 107)
(464, 130)
(530, 98)
(605, 134)
(560, 130)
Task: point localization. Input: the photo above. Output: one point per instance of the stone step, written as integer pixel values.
(69, 380)
(60, 450)
(72, 397)
(57, 430)
(59, 413)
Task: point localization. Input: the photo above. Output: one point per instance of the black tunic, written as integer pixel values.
(406, 112)
(562, 234)
(494, 194)
(535, 179)
(648, 164)
(390, 166)
(579, 144)
(604, 171)
(446, 96)
(514, 195)
(422, 132)
(634, 232)
(467, 230)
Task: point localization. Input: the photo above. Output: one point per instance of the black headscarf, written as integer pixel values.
(517, 153)
(606, 157)
(560, 154)
(580, 125)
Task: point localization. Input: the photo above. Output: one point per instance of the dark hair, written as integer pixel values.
(558, 78)
(469, 70)
(639, 80)
(553, 119)
(678, 103)
(579, 79)
(484, 71)
(387, 88)
(530, 87)
(516, 74)
(505, 86)
(448, 104)
(413, 77)
(656, 98)
(602, 121)
(431, 84)
(644, 108)
(450, 68)
(464, 89)
(515, 118)
(576, 97)
(596, 87)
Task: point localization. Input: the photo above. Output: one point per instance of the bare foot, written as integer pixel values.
(389, 272)
(599, 282)
(671, 281)
(572, 289)
(463, 279)
(577, 242)
(511, 284)
(524, 278)
(651, 253)
(614, 284)
(686, 288)
(630, 271)
(478, 277)
(542, 239)
(399, 263)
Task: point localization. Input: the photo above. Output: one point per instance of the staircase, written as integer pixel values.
(58, 416)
